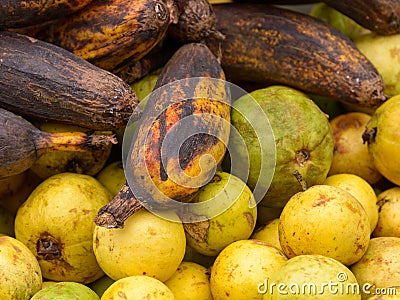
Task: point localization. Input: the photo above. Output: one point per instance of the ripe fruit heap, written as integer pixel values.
(199, 149)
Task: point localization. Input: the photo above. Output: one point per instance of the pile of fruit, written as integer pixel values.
(196, 149)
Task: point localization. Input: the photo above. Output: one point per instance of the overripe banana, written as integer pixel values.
(380, 16)
(45, 82)
(180, 137)
(267, 44)
(196, 19)
(22, 143)
(108, 32)
(20, 13)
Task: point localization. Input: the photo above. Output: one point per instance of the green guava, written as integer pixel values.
(66, 290)
(282, 135)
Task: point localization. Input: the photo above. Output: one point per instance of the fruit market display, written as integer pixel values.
(199, 149)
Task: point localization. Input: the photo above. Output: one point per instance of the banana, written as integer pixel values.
(196, 19)
(108, 32)
(379, 16)
(22, 143)
(267, 44)
(20, 13)
(180, 137)
(45, 82)
(88, 161)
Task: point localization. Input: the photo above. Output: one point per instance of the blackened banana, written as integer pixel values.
(267, 44)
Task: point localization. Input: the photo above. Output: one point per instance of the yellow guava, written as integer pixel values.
(242, 267)
(20, 274)
(382, 134)
(268, 233)
(379, 267)
(311, 276)
(388, 202)
(351, 155)
(230, 214)
(324, 220)
(190, 282)
(138, 287)
(146, 245)
(56, 223)
(361, 190)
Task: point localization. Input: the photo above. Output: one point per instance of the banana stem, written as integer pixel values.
(114, 214)
(72, 141)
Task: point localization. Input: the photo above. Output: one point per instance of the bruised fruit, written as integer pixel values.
(20, 274)
(56, 223)
(66, 290)
(146, 245)
(307, 276)
(351, 155)
(382, 134)
(138, 287)
(241, 267)
(388, 202)
(324, 220)
(361, 190)
(190, 282)
(230, 215)
(303, 141)
(380, 266)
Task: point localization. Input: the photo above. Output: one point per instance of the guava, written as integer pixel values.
(324, 220)
(20, 274)
(361, 190)
(382, 51)
(379, 267)
(88, 162)
(351, 154)
(268, 233)
(241, 267)
(382, 134)
(138, 287)
(146, 245)
(311, 277)
(345, 24)
(303, 142)
(190, 282)
(230, 214)
(66, 290)
(388, 202)
(112, 176)
(56, 223)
